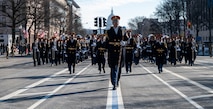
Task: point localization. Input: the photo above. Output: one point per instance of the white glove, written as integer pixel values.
(123, 43)
(138, 46)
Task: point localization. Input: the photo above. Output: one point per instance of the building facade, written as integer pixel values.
(149, 26)
(39, 18)
(200, 14)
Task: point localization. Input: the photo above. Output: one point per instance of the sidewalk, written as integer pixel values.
(205, 58)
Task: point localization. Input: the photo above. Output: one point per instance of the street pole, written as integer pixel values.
(210, 5)
(100, 23)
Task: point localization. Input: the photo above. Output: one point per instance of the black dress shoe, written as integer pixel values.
(114, 88)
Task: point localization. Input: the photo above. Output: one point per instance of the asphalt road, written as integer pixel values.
(24, 86)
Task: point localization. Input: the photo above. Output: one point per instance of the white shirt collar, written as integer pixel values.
(116, 29)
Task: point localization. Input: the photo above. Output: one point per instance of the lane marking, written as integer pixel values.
(174, 89)
(201, 96)
(56, 90)
(191, 81)
(2, 99)
(45, 79)
(31, 94)
(114, 98)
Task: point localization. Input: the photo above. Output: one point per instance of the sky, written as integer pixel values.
(126, 9)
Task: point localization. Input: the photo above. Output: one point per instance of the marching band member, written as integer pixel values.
(72, 46)
(129, 51)
(160, 51)
(116, 41)
(100, 50)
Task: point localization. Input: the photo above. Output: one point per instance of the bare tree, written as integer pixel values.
(35, 16)
(170, 11)
(15, 13)
(79, 28)
(133, 23)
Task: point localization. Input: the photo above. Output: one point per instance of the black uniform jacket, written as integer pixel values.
(129, 49)
(113, 46)
(71, 51)
(100, 50)
(160, 53)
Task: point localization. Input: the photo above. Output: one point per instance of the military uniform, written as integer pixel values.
(100, 50)
(47, 50)
(53, 52)
(115, 51)
(173, 53)
(160, 53)
(42, 50)
(35, 52)
(129, 54)
(71, 49)
(92, 49)
(59, 51)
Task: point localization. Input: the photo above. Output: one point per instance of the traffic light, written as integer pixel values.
(100, 22)
(104, 22)
(96, 21)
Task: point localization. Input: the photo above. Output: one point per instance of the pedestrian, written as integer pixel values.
(160, 51)
(7, 51)
(71, 48)
(115, 43)
(100, 50)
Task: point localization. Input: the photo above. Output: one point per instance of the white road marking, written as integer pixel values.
(114, 98)
(56, 90)
(45, 79)
(201, 96)
(29, 86)
(191, 81)
(174, 89)
(31, 94)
